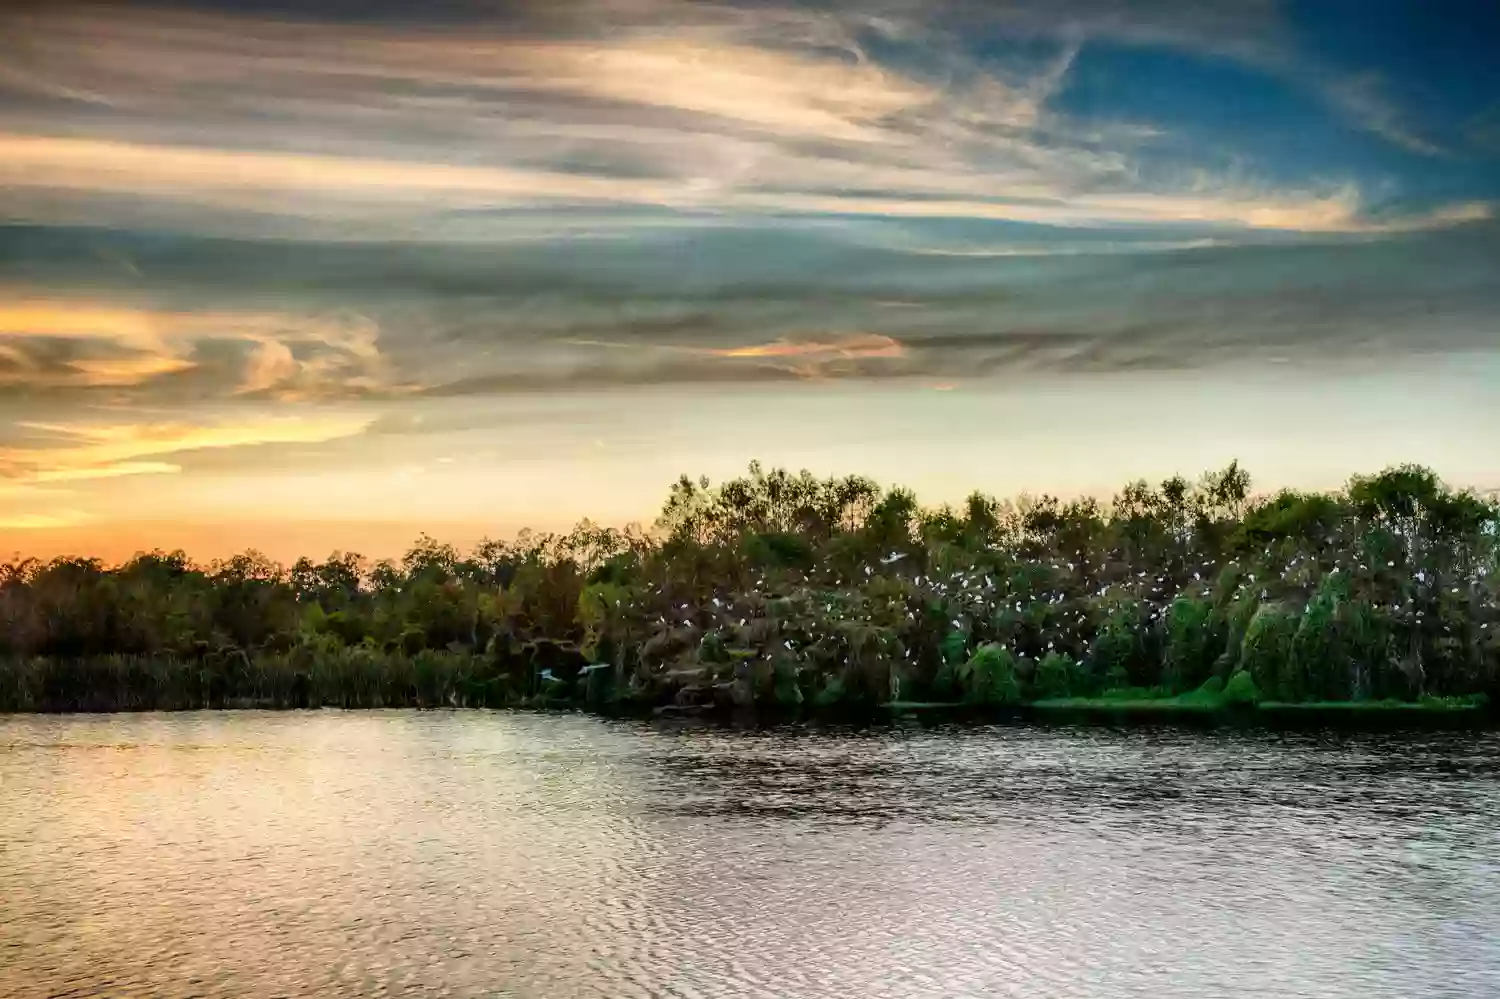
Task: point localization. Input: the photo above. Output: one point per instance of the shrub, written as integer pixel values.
(1267, 649)
(1058, 675)
(989, 677)
(1241, 689)
(1191, 643)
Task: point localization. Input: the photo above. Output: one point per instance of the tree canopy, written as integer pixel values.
(789, 589)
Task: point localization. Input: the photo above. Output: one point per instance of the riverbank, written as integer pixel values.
(1434, 713)
(431, 680)
(1361, 715)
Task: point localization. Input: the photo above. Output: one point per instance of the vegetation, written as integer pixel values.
(785, 592)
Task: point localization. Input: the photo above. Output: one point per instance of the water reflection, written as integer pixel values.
(478, 854)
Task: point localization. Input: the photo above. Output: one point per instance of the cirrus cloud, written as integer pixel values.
(689, 108)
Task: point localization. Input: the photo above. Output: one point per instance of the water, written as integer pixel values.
(256, 855)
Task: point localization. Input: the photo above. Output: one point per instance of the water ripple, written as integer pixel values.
(488, 854)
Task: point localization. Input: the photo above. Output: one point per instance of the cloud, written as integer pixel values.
(812, 358)
(665, 314)
(245, 178)
(801, 357)
(115, 471)
(134, 346)
(720, 192)
(1362, 100)
(1162, 332)
(117, 372)
(271, 364)
(642, 373)
(43, 521)
(79, 451)
(1255, 33)
(860, 356)
(1093, 248)
(688, 108)
(852, 347)
(784, 93)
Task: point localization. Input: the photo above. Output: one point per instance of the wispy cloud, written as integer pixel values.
(821, 358)
(1254, 33)
(74, 452)
(125, 371)
(1093, 248)
(339, 353)
(43, 521)
(1360, 97)
(710, 108)
(855, 346)
(114, 471)
(245, 179)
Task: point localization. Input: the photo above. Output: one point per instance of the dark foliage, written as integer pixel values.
(790, 591)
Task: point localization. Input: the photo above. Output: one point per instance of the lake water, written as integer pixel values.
(468, 854)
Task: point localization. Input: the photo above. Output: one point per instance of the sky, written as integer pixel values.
(316, 275)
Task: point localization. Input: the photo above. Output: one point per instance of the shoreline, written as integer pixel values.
(1353, 716)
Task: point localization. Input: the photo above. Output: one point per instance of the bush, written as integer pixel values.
(1192, 645)
(1058, 675)
(989, 677)
(1241, 690)
(1267, 649)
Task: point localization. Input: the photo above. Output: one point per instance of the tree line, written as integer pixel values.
(795, 592)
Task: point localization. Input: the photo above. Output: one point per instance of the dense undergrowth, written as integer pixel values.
(788, 592)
